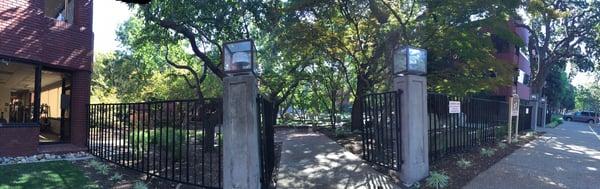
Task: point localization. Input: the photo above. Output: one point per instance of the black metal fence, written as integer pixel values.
(266, 119)
(175, 140)
(381, 137)
(525, 114)
(480, 121)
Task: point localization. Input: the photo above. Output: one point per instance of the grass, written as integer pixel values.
(55, 174)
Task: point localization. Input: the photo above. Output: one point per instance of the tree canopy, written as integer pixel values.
(322, 56)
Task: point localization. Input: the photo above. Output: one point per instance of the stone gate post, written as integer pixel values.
(241, 159)
(415, 126)
(544, 104)
(534, 112)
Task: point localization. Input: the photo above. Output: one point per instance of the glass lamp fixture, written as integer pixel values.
(239, 57)
(409, 60)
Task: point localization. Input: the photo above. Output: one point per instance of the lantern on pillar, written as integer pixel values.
(409, 60)
(239, 57)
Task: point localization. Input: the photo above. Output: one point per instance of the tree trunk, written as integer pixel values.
(276, 112)
(209, 118)
(357, 105)
(333, 110)
(537, 85)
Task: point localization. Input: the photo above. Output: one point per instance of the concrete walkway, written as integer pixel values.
(312, 160)
(565, 157)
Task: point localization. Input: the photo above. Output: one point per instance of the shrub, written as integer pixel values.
(463, 163)
(502, 145)
(485, 152)
(437, 180)
(171, 139)
(557, 120)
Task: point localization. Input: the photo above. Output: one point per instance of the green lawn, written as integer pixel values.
(56, 174)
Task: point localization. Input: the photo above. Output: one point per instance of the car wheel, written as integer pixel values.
(569, 119)
(591, 121)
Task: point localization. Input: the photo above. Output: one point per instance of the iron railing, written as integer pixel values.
(481, 121)
(266, 119)
(176, 140)
(525, 114)
(381, 134)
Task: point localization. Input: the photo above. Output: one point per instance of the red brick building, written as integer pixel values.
(46, 53)
(512, 54)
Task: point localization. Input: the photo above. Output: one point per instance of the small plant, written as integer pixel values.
(502, 145)
(437, 179)
(487, 152)
(140, 185)
(463, 163)
(102, 169)
(116, 177)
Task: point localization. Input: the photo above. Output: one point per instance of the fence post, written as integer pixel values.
(414, 127)
(534, 112)
(510, 115)
(241, 159)
(544, 112)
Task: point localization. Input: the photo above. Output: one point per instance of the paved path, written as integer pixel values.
(312, 160)
(565, 157)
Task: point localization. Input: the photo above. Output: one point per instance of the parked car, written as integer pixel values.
(584, 116)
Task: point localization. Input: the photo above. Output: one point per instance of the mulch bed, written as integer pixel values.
(130, 177)
(458, 177)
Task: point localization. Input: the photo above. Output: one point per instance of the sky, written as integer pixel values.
(583, 79)
(108, 14)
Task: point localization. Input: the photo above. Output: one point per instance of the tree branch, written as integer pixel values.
(187, 33)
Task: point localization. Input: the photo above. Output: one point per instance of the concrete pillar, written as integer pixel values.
(415, 124)
(241, 159)
(534, 114)
(544, 112)
(509, 99)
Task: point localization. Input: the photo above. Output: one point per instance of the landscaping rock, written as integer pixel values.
(43, 157)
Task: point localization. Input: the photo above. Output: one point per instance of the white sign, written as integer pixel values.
(515, 107)
(454, 107)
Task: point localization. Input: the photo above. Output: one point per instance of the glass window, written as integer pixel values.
(521, 77)
(60, 9)
(17, 82)
(54, 106)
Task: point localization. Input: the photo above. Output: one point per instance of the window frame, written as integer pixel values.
(69, 19)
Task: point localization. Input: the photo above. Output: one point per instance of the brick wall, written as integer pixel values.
(25, 142)
(25, 32)
(79, 98)
(510, 56)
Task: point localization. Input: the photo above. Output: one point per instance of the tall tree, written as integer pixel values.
(562, 31)
(558, 90)
(360, 36)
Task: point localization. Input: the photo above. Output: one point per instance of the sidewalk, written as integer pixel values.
(565, 157)
(312, 160)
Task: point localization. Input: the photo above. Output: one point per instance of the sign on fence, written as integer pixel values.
(515, 106)
(454, 107)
